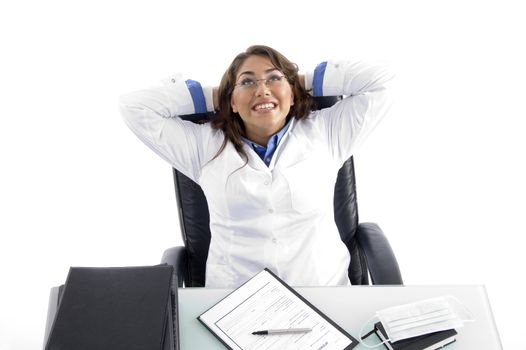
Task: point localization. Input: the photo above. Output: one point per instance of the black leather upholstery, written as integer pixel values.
(378, 255)
(370, 251)
(194, 219)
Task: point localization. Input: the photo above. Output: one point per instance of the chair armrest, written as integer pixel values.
(176, 256)
(379, 256)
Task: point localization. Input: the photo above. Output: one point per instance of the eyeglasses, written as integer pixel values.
(273, 81)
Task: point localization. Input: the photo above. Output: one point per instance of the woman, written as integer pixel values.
(267, 164)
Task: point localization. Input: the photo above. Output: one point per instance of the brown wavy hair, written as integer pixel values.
(231, 123)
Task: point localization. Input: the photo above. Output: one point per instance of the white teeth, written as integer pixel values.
(264, 106)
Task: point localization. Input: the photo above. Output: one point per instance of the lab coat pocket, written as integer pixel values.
(311, 185)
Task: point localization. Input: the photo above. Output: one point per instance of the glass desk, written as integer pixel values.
(351, 307)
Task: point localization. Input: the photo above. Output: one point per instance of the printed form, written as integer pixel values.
(265, 303)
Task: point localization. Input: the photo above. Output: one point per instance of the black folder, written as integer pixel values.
(117, 308)
(430, 341)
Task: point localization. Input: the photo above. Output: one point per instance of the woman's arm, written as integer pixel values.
(337, 78)
(349, 122)
(152, 114)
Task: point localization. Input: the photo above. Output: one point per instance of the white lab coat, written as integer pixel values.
(280, 216)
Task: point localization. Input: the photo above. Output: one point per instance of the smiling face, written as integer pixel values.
(263, 105)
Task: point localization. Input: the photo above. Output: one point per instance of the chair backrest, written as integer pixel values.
(195, 228)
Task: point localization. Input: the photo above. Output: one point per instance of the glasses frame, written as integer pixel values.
(242, 87)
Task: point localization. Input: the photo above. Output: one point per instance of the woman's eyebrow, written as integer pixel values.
(248, 72)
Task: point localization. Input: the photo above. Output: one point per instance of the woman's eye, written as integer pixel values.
(274, 78)
(247, 82)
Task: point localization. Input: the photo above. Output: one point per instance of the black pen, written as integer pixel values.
(283, 331)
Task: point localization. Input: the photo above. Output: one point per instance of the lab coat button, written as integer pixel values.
(271, 211)
(274, 240)
(266, 183)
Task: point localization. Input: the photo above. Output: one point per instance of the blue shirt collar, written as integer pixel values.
(266, 153)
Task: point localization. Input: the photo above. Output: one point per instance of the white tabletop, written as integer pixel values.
(350, 307)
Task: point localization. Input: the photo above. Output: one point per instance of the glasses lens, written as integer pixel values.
(274, 80)
(247, 83)
(251, 84)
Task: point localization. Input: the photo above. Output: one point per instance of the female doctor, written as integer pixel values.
(268, 163)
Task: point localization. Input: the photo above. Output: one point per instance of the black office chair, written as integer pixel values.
(371, 254)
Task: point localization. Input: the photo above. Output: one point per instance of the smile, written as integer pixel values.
(264, 106)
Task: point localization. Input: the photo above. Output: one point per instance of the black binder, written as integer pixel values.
(116, 308)
(431, 341)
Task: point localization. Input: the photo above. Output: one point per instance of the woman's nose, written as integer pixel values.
(262, 89)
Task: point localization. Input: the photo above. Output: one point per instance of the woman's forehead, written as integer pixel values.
(254, 65)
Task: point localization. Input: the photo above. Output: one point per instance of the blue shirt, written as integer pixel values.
(266, 153)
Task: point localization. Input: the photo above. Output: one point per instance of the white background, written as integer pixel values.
(443, 175)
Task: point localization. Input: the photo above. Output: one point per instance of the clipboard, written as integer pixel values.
(266, 302)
